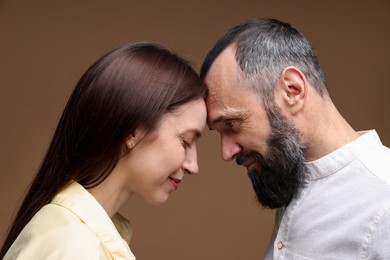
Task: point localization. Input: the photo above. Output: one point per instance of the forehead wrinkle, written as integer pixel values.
(229, 113)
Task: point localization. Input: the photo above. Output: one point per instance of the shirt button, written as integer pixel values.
(280, 245)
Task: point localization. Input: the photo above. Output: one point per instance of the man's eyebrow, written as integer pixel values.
(227, 116)
(218, 120)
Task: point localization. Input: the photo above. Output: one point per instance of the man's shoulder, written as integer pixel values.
(377, 161)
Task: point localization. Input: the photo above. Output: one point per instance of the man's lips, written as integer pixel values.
(248, 163)
(175, 182)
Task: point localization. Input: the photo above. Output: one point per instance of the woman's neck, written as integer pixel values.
(110, 194)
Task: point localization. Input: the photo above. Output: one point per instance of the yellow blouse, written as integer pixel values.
(73, 226)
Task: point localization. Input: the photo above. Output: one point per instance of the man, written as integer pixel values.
(330, 184)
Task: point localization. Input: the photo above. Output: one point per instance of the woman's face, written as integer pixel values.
(156, 165)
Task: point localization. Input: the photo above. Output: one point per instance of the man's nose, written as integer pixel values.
(230, 149)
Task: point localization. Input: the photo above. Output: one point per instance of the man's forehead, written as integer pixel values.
(223, 70)
(221, 99)
(223, 105)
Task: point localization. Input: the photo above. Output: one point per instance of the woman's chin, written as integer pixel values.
(158, 201)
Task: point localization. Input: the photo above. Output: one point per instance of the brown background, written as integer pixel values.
(45, 46)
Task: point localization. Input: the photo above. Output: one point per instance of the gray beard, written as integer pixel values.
(280, 172)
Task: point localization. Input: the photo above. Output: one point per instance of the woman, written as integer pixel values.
(130, 126)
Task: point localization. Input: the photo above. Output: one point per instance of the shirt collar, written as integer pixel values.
(336, 160)
(77, 199)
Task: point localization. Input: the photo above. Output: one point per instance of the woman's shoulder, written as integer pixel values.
(55, 231)
(54, 218)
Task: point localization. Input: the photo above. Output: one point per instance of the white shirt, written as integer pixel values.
(73, 226)
(343, 208)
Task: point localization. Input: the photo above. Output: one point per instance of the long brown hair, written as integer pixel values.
(131, 86)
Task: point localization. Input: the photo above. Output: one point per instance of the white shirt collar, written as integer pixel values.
(338, 159)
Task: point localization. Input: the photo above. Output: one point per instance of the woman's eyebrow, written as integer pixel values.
(195, 131)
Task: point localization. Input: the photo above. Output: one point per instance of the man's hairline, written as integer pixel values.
(242, 76)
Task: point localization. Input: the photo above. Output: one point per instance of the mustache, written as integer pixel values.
(246, 156)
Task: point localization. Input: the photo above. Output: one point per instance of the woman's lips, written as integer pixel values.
(175, 182)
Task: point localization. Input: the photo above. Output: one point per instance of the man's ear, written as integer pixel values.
(292, 89)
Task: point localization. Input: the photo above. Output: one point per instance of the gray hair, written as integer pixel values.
(264, 48)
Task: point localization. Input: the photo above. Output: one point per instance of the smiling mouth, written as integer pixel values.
(175, 182)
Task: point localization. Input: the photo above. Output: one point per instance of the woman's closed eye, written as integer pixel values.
(186, 144)
(185, 140)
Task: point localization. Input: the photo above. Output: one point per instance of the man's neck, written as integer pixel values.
(328, 132)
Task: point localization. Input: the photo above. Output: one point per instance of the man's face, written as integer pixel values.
(262, 140)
